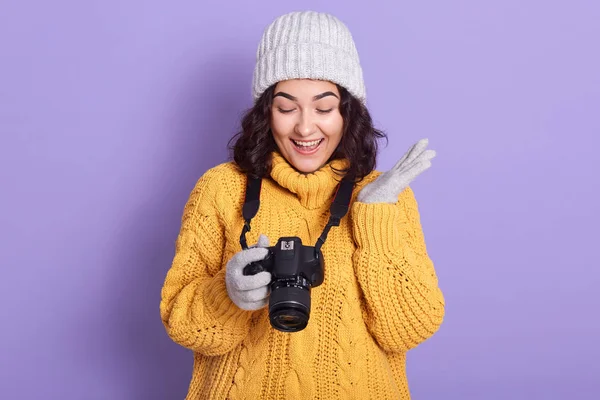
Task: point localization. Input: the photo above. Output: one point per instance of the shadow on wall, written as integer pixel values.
(200, 123)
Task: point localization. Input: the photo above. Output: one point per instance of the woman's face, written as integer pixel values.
(304, 111)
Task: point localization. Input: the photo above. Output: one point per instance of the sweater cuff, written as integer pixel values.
(376, 227)
(219, 306)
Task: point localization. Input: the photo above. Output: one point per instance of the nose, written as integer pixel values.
(306, 125)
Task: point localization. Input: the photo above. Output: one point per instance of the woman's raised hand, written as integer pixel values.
(387, 187)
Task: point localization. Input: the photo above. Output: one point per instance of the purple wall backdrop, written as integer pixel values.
(110, 111)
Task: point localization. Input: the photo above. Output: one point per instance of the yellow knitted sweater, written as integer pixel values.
(380, 296)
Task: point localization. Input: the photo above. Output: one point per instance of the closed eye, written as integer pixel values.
(281, 110)
(324, 111)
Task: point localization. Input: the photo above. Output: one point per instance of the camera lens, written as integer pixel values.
(289, 308)
(289, 320)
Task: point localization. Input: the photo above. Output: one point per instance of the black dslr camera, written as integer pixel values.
(294, 267)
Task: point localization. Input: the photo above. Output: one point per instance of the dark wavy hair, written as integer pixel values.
(254, 144)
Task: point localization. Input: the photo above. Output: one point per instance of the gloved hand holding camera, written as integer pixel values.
(284, 274)
(248, 292)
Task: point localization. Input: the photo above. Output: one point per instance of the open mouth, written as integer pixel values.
(305, 147)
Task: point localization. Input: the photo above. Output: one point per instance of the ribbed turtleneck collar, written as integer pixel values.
(313, 189)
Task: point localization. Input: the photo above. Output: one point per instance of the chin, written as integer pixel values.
(306, 164)
(305, 167)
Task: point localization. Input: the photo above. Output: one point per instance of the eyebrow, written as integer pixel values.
(315, 98)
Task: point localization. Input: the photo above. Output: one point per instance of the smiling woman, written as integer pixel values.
(306, 122)
(341, 314)
(294, 113)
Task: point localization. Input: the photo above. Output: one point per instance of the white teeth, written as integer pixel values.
(307, 144)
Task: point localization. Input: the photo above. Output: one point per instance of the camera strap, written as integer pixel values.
(337, 210)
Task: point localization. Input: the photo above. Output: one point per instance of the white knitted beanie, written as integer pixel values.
(308, 44)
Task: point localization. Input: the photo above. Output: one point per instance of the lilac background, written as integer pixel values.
(110, 110)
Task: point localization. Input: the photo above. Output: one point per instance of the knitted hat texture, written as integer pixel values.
(308, 45)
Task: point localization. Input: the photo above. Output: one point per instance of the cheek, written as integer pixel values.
(333, 125)
(280, 126)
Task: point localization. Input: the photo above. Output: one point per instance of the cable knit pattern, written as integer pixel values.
(312, 190)
(379, 299)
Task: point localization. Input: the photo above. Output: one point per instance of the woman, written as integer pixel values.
(309, 127)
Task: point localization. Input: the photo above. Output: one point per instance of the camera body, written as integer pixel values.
(295, 269)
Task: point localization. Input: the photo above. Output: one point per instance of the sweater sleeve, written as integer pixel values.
(404, 305)
(195, 307)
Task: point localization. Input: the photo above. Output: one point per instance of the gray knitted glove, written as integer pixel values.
(248, 292)
(387, 187)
